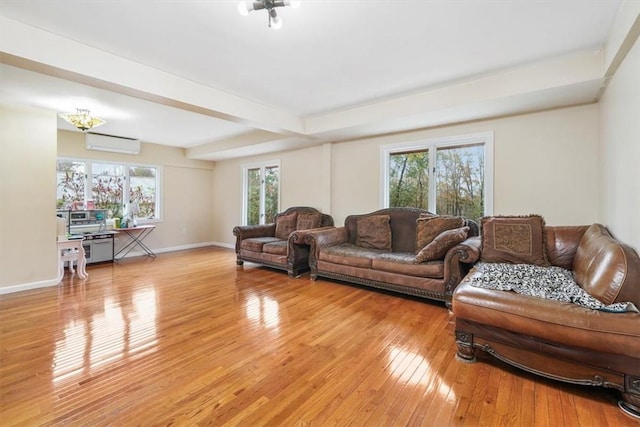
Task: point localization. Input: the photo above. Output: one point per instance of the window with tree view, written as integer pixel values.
(447, 177)
(261, 193)
(112, 186)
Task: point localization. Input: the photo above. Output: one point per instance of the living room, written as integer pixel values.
(572, 164)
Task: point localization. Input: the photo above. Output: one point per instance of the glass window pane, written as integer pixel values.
(142, 189)
(107, 187)
(409, 179)
(71, 180)
(272, 176)
(253, 196)
(460, 181)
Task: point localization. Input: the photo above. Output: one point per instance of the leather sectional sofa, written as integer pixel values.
(342, 253)
(269, 244)
(561, 340)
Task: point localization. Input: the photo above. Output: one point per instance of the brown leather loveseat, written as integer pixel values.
(382, 249)
(561, 340)
(269, 244)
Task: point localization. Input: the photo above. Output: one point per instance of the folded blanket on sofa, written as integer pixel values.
(553, 283)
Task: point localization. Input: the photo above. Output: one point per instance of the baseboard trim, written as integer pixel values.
(53, 282)
(27, 286)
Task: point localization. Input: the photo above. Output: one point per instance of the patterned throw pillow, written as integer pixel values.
(308, 220)
(374, 232)
(285, 225)
(514, 239)
(439, 246)
(428, 227)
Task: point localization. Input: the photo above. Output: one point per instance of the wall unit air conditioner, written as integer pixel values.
(114, 144)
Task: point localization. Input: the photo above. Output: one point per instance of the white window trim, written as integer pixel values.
(245, 202)
(485, 138)
(159, 180)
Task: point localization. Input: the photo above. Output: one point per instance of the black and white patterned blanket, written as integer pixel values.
(543, 282)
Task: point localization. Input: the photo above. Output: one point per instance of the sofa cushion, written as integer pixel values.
(429, 227)
(514, 239)
(308, 220)
(276, 248)
(374, 232)
(286, 224)
(349, 254)
(606, 268)
(255, 244)
(405, 263)
(560, 322)
(439, 246)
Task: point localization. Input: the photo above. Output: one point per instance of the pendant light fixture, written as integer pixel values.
(82, 119)
(275, 22)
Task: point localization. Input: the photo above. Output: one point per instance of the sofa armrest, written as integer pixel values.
(299, 246)
(317, 239)
(457, 263)
(248, 231)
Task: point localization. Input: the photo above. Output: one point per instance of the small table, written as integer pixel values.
(137, 235)
(71, 250)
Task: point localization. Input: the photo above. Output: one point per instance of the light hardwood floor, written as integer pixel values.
(188, 338)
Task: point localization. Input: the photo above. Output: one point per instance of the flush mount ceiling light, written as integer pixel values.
(275, 22)
(82, 119)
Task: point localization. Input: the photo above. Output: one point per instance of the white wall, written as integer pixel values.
(620, 151)
(27, 197)
(544, 163)
(301, 178)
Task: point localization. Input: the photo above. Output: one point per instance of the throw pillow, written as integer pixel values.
(374, 232)
(308, 220)
(439, 246)
(428, 227)
(285, 225)
(514, 239)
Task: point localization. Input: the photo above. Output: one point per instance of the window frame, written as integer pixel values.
(88, 193)
(245, 183)
(432, 145)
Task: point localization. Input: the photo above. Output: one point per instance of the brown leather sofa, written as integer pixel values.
(269, 244)
(336, 254)
(562, 340)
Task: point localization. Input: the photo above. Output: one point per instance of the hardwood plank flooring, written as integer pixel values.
(189, 338)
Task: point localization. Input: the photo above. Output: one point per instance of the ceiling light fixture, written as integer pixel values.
(275, 22)
(82, 119)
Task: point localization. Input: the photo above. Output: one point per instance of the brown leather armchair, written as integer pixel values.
(561, 340)
(270, 245)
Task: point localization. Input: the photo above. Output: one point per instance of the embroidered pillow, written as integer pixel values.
(373, 232)
(439, 246)
(515, 240)
(285, 225)
(428, 227)
(308, 220)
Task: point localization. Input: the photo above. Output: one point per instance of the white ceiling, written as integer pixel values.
(336, 70)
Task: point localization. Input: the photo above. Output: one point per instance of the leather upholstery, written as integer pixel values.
(259, 244)
(605, 268)
(334, 254)
(558, 340)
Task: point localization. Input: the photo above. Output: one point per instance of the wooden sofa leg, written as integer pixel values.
(239, 262)
(293, 273)
(630, 402)
(466, 352)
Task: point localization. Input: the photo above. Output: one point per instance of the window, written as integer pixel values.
(112, 186)
(261, 193)
(448, 176)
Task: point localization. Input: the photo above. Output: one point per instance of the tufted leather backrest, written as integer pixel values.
(562, 243)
